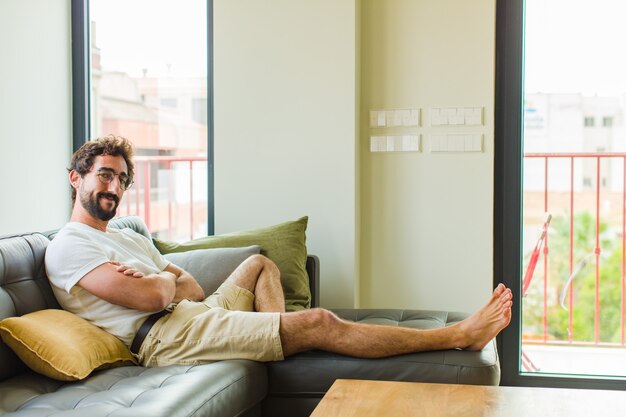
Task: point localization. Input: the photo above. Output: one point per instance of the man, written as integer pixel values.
(118, 280)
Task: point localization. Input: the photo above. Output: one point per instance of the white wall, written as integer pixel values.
(294, 81)
(285, 126)
(35, 114)
(427, 218)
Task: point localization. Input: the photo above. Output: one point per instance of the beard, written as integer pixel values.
(91, 203)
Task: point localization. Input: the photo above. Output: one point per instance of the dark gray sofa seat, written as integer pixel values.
(230, 388)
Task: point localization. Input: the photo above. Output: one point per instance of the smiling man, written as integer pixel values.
(119, 281)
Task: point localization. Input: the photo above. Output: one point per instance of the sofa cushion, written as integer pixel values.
(289, 391)
(211, 267)
(226, 388)
(284, 243)
(62, 345)
(24, 287)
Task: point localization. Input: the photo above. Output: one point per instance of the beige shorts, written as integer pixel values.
(221, 327)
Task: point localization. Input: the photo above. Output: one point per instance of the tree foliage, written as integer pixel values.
(560, 263)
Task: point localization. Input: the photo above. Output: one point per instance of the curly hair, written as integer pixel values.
(83, 158)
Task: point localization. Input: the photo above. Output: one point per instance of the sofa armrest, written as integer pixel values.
(313, 270)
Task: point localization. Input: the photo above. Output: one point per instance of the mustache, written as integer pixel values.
(109, 196)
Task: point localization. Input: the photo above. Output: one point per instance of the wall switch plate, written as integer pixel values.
(435, 117)
(378, 118)
(453, 116)
(394, 118)
(404, 143)
(456, 143)
(406, 118)
(477, 143)
(414, 117)
(378, 144)
(411, 143)
(390, 144)
(474, 116)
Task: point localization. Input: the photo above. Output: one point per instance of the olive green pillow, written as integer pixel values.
(61, 345)
(284, 243)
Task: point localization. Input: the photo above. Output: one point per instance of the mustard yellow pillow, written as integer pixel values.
(61, 345)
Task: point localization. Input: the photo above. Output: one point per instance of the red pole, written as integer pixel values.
(545, 259)
(169, 200)
(597, 252)
(571, 250)
(146, 193)
(623, 249)
(137, 192)
(190, 200)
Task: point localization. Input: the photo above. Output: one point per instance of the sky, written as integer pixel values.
(166, 37)
(576, 46)
(572, 46)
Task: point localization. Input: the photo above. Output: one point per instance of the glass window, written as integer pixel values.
(199, 110)
(171, 102)
(148, 74)
(568, 326)
(574, 304)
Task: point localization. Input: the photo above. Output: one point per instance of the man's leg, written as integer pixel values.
(321, 329)
(260, 276)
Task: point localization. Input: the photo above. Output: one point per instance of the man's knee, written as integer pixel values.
(320, 318)
(306, 329)
(312, 319)
(261, 262)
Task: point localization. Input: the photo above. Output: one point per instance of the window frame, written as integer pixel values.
(81, 108)
(508, 187)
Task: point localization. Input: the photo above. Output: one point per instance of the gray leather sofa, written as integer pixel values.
(228, 388)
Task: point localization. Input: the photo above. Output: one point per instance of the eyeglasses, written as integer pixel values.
(106, 177)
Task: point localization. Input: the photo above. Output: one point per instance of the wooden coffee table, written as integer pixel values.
(381, 398)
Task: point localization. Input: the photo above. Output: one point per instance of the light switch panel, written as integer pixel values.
(456, 143)
(405, 143)
(378, 144)
(390, 144)
(411, 143)
(435, 117)
(474, 116)
(378, 118)
(406, 118)
(477, 143)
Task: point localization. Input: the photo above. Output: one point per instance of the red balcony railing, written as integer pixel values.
(603, 180)
(169, 194)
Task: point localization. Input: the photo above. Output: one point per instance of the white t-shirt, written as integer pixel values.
(78, 249)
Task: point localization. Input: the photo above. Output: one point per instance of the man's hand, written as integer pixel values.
(127, 270)
(187, 288)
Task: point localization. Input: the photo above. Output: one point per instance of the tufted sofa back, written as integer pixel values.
(24, 286)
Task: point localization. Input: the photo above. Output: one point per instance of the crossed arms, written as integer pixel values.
(125, 286)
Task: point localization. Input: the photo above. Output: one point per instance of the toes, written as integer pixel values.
(506, 294)
(499, 290)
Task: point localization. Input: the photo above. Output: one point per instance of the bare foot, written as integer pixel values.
(481, 327)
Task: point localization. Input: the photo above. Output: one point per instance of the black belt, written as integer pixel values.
(144, 329)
